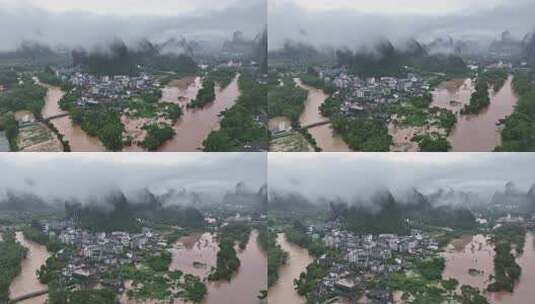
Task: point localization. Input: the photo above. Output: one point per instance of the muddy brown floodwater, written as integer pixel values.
(476, 133)
(78, 139)
(27, 281)
(283, 291)
(196, 124)
(478, 254)
(245, 284)
(324, 135)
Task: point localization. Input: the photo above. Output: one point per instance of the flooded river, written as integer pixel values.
(191, 129)
(196, 124)
(283, 291)
(246, 283)
(323, 134)
(27, 282)
(475, 133)
(78, 139)
(478, 254)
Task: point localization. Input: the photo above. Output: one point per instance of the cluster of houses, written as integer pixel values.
(359, 94)
(365, 257)
(107, 89)
(96, 253)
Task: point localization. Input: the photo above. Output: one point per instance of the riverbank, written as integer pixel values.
(79, 141)
(324, 135)
(27, 281)
(473, 264)
(196, 124)
(298, 259)
(197, 254)
(479, 132)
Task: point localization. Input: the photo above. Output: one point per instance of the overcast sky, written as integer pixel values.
(124, 7)
(359, 175)
(76, 23)
(85, 174)
(353, 23)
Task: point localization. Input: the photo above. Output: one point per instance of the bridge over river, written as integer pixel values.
(27, 296)
(316, 124)
(46, 119)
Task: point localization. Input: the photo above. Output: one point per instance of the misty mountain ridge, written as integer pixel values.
(121, 214)
(244, 197)
(514, 199)
(17, 201)
(118, 59)
(384, 213)
(385, 59)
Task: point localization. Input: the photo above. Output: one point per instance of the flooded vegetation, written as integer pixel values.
(79, 140)
(197, 254)
(470, 261)
(196, 124)
(191, 129)
(298, 259)
(27, 282)
(323, 134)
(478, 132)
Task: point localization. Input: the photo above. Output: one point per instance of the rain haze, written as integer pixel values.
(355, 176)
(357, 23)
(84, 175)
(74, 24)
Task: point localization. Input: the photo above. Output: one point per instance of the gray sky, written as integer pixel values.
(359, 175)
(75, 23)
(123, 7)
(82, 175)
(353, 23)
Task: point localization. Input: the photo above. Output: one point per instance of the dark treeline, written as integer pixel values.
(102, 122)
(286, 99)
(297, 53)
(205, 95)
(292, 203)
(8, 78)
(494, 78)
(366, 135)
(387, 214)
(17, 201)
(311, 78)
(480, 99)
(276, 256)
(33, 53)
(120, 60)
(49, 77)
(157, 135)
(386, 60)
(241, 125)
(11, 255)
(117, 213)
(23, 95)
(518, 134)
(506, 270)
(227, 257)
(222, 76)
